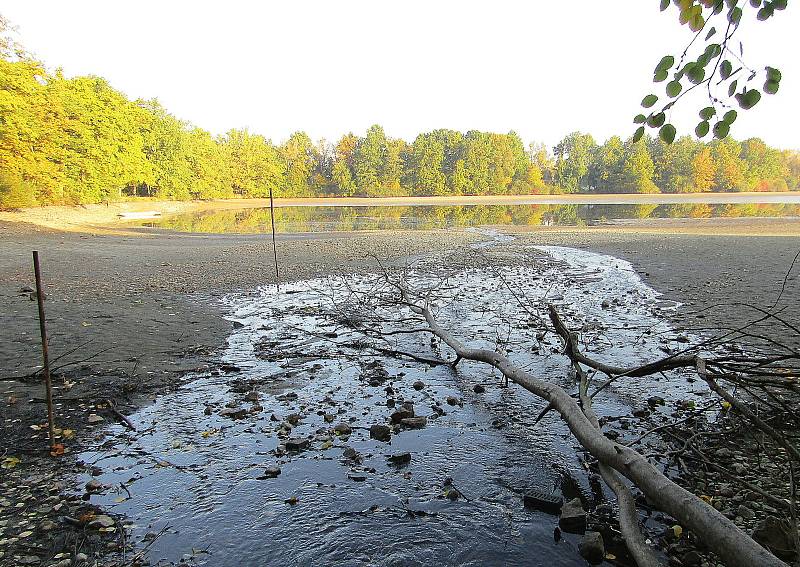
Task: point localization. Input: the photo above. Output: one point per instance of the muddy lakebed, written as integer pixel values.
(273, 458)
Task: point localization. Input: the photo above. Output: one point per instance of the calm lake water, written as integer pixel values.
(327, 219)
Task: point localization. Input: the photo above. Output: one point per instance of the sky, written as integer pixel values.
(543, 69)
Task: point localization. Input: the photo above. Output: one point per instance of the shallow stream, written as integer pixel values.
(193, 479)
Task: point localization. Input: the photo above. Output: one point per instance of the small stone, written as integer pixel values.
(101, 521)
(343, 428)
(296, 444)
(272, 472)
(401, 414)
(400, 458)
(414, 422)
(418, 385)
(478, 389)
(94, 418)
(356, 477)
(573, 517)
(251, 396)
(380, 432)
(233, 413)
(605, 304)
(29, 560)
(591, 547)
(94, 486)
(745, 512)
(81, 558)
(293, 418)
(328, 417)
(654, 401)
(351, 454)
(453, 401)
(237, 324)
(47, 525)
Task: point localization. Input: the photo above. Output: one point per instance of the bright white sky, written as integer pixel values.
(540, 68)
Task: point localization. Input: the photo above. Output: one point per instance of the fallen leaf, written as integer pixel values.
(677, 530)
(57, 450)
(10, 462)
(68, 433)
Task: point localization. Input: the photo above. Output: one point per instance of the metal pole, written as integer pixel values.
(274, 249)
(45, 356)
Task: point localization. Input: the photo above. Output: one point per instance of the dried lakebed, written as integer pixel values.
(288, 454)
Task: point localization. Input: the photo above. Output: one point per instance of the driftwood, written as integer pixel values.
(719, 533)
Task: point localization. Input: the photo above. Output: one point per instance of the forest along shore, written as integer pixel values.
(145, 311)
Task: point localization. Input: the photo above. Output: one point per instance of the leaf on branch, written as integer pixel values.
(707, 112)
(748, 99)
(638, 134)
(639, 119)
(730, 117)
(721, 129)
(732, 87)
(665, 64)
(725, 69)
(649, 100)
(656, 120)
(702, 129)
(667, 133)
(674, 88)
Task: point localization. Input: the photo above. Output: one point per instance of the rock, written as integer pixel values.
(94, 418)
(478, 389)
(400, 458)
(723, 453)
(418, 385)
(452, 493)
(293, 418)
(81, 558)
(342, 428)
(290, 396)
(414, 422)
(775, 534)
(101, 521)
(233, 413)
(453, 401)
(573, 517)
(380, 432)
(237, 324)
(641, 412)
(251, 396)
(537, 500)
(27, 289)
(605, 304)
(357, 477)
(351, 455)
(94, 486)
(297, 444)
(591, 547)
(272, 472)
(745, 512)
(654, 401)
(28, 560)
(47, 525)
(229, 368)
(401, 414)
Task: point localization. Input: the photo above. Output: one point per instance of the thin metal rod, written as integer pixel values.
(274, 249)
(45, 355)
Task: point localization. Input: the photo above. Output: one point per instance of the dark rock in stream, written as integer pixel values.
(775, 534)
(573, 517)
(591, 548)
(536, 500)
(414, 422)
(380, 432)
(400, 458)
(229, 368)
(401, 414)
(478, 389)
(297, 444)
(233, 413)
(272, 472)
(418, 385)
(342, 428)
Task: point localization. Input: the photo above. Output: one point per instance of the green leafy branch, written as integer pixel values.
(686, 76)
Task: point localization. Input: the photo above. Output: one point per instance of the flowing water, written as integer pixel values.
(195, 487)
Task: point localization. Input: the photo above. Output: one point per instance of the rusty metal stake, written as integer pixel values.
(274, 249)
(45, 356)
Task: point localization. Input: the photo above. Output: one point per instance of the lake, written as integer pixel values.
(299, 219)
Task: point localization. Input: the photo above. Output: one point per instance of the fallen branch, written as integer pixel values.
(721, 535)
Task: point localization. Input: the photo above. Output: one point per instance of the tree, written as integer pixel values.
(704, 170)
(299, 159)
(256, 165)
(573, 158)
(369, 161)
(427, 158)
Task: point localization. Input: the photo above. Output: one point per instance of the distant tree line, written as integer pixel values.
(78, 140)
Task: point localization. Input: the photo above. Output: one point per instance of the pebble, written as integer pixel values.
(380, 432)
(591, 547)
(94, 418)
